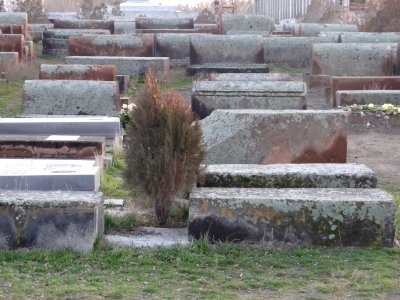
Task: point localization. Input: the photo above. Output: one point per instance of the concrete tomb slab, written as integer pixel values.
(13, 43)
(70, 97)
(83, 24)
(49, 174)
(53, 146)
(314, 29)
(247, 23)
(272, 136)
(78, 72)
(50, 220)
(227, 68)
(108, 127)
(210, 95)
(131, 66)
(323, 175)
(16, 18)
(362, 37)
(323, 217)
(164, 23)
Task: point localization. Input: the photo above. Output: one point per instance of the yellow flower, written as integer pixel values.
(387, 106)
(371, 105)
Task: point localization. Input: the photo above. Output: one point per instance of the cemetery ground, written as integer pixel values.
(203, 270)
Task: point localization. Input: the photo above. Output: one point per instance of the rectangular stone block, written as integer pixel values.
(70, 97)
(77, 72)
(247, 23)
(108, 127)
(53, 146)
(16, 18)
(363, 83)
(234, 49)
(272, 136)
(362, 37)
(288, 176)
(49, 174)
(83, 24)
(50, 220)
(314, 29)
(250, 77)
(361, 97)
(123, 83)
(13, 43)
(66, 33)
(323, 217)
(210, 95)
(354, 59)
(227, 68)
(131, 66)
(164, 23)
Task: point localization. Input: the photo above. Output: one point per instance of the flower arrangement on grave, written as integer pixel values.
(125, 114)
(386, 109)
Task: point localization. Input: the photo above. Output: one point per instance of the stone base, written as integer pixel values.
(288, 176)
(50, 220)
(227, 68)
(327, 217)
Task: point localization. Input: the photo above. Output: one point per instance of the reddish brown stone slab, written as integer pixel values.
(362, 83)
(12, 43)
(12, 29)
(45, 147)
(78, 72)
(112, 45)
(83, 24)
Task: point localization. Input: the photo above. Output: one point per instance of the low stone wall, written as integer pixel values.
(362, 37)
(78, 72)
(270, 137)
(362, 83)
(70, 97)
(361, 97)
(50, 220)
(131, 66)
(210, 95)
(164, 23)
(112, 45)
(83, 24)
(288, 176)
(323, 217)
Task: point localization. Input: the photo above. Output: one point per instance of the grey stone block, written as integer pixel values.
(132, 66)
(314, 29)
(368, 96)
(49, 174)
(108, 127)
(174, 45)
(250, 77)
(275, 136)
(50, 220)
(66, 33)
(288, 176)
(210, 95)
(362, 37)
(70, 97)
(328, 217)
(247, 23)
(227, 68)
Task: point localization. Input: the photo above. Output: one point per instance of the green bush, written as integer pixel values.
(164, 148)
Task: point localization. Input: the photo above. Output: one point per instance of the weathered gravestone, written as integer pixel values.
(50, 220)
(112, 45)
(273, 136)
(78, 72)
(70, 97)
(210, 95)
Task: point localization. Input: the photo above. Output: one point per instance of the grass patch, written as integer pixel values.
(177, 83)
(202, 271)
(394, 190)
(10, 98)
(112, 183)
(120, 223)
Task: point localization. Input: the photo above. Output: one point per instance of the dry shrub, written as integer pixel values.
(164, 148)
(386, 18)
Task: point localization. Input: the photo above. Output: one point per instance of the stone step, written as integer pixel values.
(49, 174)
(50, 220)
(210, 95)
(108, 127)
(288, 176)
(328, 217)
(227, 68)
